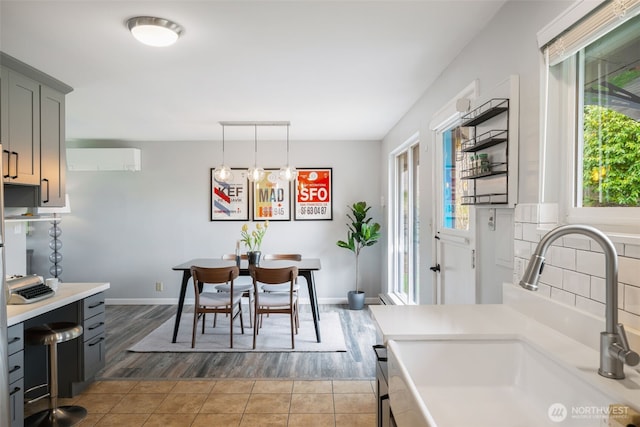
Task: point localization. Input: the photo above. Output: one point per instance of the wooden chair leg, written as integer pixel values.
(240, 314)
(255, 326)
(293, 322)
(231, 329)
(250, 311)
(195, 328)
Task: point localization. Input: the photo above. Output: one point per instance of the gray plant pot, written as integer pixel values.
(356, 300)
(254, 258)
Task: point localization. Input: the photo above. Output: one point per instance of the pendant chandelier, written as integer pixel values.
(255, 173)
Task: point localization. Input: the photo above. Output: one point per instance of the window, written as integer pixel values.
(608, 146)
(593, 125)
(455, 215)
(405, 279)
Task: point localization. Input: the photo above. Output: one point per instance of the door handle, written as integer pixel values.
(435, 269)
(7, 172)
(17, 159)
(46, 200)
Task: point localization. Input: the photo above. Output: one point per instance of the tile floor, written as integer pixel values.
(227, 403)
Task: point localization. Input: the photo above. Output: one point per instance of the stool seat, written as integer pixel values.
(51, 333)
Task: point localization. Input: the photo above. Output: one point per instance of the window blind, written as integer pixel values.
(599, 22)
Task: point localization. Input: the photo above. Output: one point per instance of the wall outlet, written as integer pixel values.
(159, 286)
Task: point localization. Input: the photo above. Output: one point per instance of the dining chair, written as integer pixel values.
(244, 284)
(275, 302)
(284, 287)
(216, 302)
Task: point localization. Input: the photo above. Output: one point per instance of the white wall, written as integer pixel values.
(130, 228)
(507, 46)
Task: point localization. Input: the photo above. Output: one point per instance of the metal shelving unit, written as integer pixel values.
(495, 173)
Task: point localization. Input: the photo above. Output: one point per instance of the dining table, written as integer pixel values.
(306, 267)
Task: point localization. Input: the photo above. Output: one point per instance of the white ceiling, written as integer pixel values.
(337, 70)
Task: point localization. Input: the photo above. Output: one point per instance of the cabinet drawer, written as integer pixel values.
(16, 403)
(93, 327)
(93, 305)
(15, 338)
(94, 352)
(16, 366)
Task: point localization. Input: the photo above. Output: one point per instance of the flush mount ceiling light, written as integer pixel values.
(153, 31)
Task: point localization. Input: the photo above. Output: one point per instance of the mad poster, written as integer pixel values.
(272, 198)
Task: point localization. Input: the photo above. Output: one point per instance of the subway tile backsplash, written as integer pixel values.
(575, 268)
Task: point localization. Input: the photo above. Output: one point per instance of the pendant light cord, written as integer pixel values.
(288, 146)
(255, 146)
(223, 145)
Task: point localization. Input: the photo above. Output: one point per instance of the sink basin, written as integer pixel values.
(492, 382)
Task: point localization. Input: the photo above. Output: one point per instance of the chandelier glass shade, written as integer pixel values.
(288, 172)
(255, 173)
(223, 172)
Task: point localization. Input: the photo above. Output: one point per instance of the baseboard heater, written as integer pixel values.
(386, 299)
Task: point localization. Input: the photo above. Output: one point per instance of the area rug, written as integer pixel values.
(274, 336)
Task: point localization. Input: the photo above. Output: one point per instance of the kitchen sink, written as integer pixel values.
(488, 382)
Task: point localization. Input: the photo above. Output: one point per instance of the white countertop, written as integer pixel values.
(66, 294)
(441, 322)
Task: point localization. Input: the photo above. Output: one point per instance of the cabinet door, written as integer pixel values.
(24, 130)
(16, 403)
(4, 106)
(52, 148)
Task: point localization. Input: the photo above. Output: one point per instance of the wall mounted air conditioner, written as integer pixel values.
(103, 159)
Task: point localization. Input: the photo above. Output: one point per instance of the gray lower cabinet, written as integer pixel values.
(16, 374)
(79, 360)
(384, 413)
(93, 336)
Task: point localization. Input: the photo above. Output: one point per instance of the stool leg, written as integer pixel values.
(53, 377)
(64, 416)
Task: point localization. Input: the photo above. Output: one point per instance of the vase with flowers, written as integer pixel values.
(252, 239)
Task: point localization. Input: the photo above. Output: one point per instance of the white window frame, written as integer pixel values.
(564, 91)
(412, 297)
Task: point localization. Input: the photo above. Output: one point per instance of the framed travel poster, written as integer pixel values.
(230, 200)
(272, 197)
(313, 194)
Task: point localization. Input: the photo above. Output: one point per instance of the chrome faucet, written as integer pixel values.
(614, 347)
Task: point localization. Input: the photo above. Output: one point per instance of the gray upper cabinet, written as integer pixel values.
(4, 103)
(52, 148)
(21, 152)
(32, 133)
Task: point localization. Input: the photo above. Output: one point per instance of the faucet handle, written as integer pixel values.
(622, 351)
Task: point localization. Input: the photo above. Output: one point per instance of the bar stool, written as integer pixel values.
(51, 334)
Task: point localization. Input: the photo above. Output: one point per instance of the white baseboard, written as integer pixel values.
(174, 301)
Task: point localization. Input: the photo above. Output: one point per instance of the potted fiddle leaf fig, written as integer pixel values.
(361, 232)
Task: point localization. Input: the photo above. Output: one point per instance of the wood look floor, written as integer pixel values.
(127, 324)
